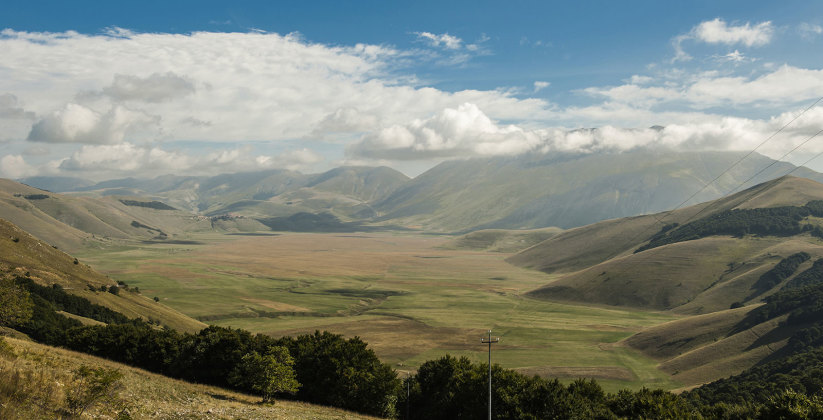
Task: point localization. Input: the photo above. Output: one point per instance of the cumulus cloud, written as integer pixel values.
(454, 132)
(154, 88)
(467, 132)
(78, 124)
(14, 167)
(247, 86)
(717, 31)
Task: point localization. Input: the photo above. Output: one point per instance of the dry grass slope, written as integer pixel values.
(36, 379)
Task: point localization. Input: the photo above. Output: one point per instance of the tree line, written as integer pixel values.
(775, 221)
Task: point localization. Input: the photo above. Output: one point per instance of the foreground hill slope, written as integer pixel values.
(21, 254)
(45, 374)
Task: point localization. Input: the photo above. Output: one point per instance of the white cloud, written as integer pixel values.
(12, 109)
(454, 132)
(467, 132)
(734, 57)
(782, 86)
(127, 159)
(345, 120)
(79, 124)
(539, 85)
(14, 119)
(449, 42)
(637, 79)
(244, 86)
(154, 88)
(717, 31)
(809, 31)
(14, 167)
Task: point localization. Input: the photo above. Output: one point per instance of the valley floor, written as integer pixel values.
(408, 295)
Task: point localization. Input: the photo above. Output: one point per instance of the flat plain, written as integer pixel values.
(408, 295)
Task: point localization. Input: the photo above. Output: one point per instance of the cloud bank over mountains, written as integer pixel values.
(138, 104)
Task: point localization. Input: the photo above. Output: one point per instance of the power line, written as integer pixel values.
(644, 231)
(670, 212)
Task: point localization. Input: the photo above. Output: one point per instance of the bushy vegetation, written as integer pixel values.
(776, 221)
(157, 205)
(802, 373)
(810, 277)
(62, 301)
(781, 271)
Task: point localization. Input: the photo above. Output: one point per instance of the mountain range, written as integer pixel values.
(524, 192)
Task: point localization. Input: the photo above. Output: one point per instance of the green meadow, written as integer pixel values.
(407, 295)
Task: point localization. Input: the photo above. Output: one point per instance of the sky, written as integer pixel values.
(102, 90)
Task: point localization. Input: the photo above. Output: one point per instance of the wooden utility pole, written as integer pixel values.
(490, 342)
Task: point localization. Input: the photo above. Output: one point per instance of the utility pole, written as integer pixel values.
(490, 342)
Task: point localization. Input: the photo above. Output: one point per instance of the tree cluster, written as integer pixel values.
(776, 221)
(781, 271)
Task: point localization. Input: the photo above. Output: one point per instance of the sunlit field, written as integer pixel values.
(411, 299)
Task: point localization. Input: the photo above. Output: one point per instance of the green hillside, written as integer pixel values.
(759, 244)
(22, 254)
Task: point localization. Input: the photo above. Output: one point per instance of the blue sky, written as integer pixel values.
(114, 89)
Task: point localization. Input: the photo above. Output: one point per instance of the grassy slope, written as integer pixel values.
(695, 276)
(48, 265)
(704, 348)
(692, 277)
(582, 247)
(149, 396)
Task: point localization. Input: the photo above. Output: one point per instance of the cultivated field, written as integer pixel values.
(407, 295)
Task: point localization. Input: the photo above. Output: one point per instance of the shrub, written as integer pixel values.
(92, 386)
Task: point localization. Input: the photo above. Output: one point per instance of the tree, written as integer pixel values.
(267, 374)
(15, 304)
